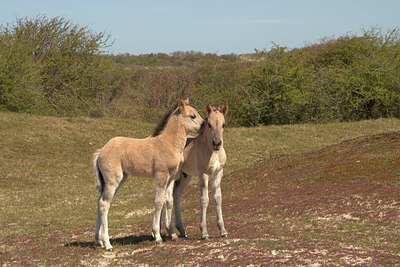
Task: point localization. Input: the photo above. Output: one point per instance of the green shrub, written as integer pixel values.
(349, 78)
(52, 66)
(147, 94)
(221, 83)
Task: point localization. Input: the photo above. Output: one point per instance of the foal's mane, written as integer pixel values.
(203, 125)
(160, 127)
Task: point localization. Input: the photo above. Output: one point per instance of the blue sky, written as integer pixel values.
(223, 27)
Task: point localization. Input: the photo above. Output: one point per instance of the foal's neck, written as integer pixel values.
(206, 140)
(174, 133)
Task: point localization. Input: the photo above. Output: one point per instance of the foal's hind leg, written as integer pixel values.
(97, 239)
(103, 206)
(104, 203)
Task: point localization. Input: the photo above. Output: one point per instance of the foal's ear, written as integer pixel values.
(208, 109)
(187, 101)
(224, 109)
(181, 105)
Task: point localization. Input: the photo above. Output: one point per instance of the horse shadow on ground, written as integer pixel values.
(127, 240)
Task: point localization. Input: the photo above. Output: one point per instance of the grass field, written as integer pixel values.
(293, 194)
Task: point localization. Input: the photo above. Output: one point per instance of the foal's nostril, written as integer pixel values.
(217, 145)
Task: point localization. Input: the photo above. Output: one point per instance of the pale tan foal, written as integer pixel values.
(204, 157)
(159, 156)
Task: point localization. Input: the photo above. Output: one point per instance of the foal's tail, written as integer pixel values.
(98, 176)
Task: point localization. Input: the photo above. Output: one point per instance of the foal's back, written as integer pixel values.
(132, 156)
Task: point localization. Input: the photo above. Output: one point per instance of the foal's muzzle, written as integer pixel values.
(217, 145)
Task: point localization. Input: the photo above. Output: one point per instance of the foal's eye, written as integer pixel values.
(209, 125)
(223, 125)
(193, 117)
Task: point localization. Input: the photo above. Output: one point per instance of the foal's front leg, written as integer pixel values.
(203, 205)
(216, 186)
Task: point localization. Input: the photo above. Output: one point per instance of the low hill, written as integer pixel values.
(302, 194)
(334, 206)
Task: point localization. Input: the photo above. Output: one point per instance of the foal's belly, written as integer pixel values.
(149, 167)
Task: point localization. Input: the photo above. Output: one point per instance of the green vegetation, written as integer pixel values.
(49, 66)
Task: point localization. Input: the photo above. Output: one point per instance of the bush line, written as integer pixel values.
(50, 66)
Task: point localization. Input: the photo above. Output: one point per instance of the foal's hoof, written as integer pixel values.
(108, 248)
(159, 242)
(174, 237)
(183, 236)
(99, 244)
(206, 238)
(224, 236)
